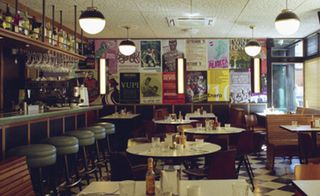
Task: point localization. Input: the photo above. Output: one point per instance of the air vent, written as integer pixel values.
(185, 22)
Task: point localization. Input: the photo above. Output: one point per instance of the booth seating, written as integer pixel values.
(67, 146)
(86, 138)
(38, 156)
(100, 135)
(15, 178)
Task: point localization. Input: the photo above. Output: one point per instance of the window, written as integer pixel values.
(312, 45)
(287, 48)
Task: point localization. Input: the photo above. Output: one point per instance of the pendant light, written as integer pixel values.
(252, 47)
(92, 21)
(127, 47)
(287, 22)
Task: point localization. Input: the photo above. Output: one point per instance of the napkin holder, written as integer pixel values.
(169, 181)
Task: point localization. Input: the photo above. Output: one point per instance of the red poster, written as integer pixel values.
(169, 89)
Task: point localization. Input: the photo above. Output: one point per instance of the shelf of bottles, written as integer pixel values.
(26, 28)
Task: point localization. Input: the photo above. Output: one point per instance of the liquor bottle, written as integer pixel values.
(8, 20)
(48, 33)
(17, 21)
(55, 37)
(180, 116)
(150, 179)
(61, 38)
(1, 18)
(183, 139)
(26, 23)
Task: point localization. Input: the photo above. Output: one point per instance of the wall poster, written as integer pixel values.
(238, 57)
(196, 54)
(130, 63)
(107, 49)
(196, 86)
(171, 50)
(150, 88)
(240, 86)
(113, 90)
(218, 85)
(151, 56)
(129, 88)
(169, 84)
(88, 52)
(218, 53)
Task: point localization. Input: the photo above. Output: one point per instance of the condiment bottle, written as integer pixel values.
(150, 178)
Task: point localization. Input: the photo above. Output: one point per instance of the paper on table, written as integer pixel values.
(170, 181)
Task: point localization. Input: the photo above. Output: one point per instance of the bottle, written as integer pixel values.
(312, 122)
(17, 21)
(180, 116)
(8, 20)
(1, 18)
(25, 24)
(55, 37)
(150, 179)
(183, 139)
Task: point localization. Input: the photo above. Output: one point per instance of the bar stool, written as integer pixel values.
(110, 130)
(100, 134)
(38, 156)
(86, 138)
(67, 146)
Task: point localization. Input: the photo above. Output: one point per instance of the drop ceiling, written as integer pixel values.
(148, 17)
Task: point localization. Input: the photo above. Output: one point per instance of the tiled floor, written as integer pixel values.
(271, 183)
(277, 183)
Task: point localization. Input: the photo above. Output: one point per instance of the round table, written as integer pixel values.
(223, 132)
(177, 122)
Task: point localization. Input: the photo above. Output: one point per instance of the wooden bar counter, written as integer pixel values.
(21, 129)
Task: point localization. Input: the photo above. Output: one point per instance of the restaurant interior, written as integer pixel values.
(159, 97)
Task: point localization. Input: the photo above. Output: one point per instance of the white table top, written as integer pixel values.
(221, 131)
(270, 113)
(169, 122)
(207, 187)
(198, 115)
(119, 116)
(192, 149)
(309, 187)
(300, 128)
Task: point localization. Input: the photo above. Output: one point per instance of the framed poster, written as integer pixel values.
(196, 86)
(150, 88)
(240, 86)
(171, 50)
(130, 63)
(151, 56)
(129, 88)
(196, 54)
(218, 85)
(169, 84)
(218, 53)
(238, 57)
(108, 49)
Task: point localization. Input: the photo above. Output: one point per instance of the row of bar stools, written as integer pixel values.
(38, 156)
(99, 134)
(66, 147)
(86, 138)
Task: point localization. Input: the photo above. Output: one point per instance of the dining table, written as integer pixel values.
(207, 187)
(175, 123)
(221, 132)
(124, 126)
(307, 187)
(304, 129)
(196, 115)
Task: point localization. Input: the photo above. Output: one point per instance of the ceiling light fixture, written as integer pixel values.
(252, 47)
(287, 22)
(92, 21)
(127, 47)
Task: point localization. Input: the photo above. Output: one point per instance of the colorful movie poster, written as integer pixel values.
(129, 88)
(238, 57)
(171, 50)
(196, 54)
(150, 56)
(218, 85)
(240, 86)
(88, 52)
(169, 85)
(113, 90)
(218, 53)
(130, 63)
(107, 49)
(150, 88)
(196, 86)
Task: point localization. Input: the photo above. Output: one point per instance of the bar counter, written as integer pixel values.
(21, 129)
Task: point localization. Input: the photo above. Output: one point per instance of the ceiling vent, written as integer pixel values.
(185, 22)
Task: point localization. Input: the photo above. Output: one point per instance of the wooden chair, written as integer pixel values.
(237, 117)
(221, 165)
(15, 178)
(160, 113)
(121, 168)
(306, 149)
(307, 172)
(259, 133)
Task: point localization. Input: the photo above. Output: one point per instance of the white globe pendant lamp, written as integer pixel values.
(92, 21)
(287, 22)
(252, 47)
(127, 47)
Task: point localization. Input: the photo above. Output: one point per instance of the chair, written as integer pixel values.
(245, 147)
(307, 172)
(259, 133)
(121, 168)
(220, 165)
(15, 178)
(160, 113)
(237, 117)
(306, 149)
